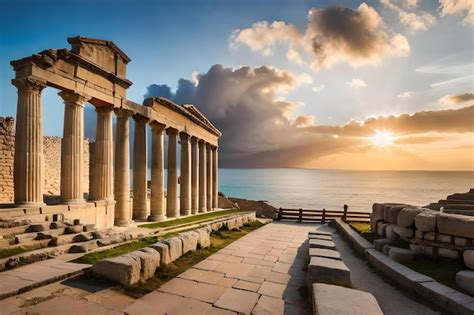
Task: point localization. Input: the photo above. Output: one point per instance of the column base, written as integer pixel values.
(123, 222)
(140, 216)
(156, 218)
(195, 211)
(73, 201)
(203, 210)
(185, 212)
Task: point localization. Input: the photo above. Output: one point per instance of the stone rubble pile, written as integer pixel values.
(140, 265)
(409, 231)
(329, 278)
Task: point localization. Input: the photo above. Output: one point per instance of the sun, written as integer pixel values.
(382, 138)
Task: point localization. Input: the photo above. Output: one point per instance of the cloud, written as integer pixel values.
(304, 121)
(415, 21)
(246, 105)
(318, 88)
(405, 94)
(333, 34)
(454, 99)
(458, 7)
(357, 84)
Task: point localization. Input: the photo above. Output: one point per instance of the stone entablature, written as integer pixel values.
(94, 71)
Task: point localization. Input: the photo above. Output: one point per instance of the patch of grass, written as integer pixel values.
(442, 270)
(7, 252)
(190, 219)
(363, 228)
(165, 273)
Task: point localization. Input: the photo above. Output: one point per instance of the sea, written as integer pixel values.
(331, 189)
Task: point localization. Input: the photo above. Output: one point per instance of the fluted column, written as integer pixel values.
(157, 200)
(140, 190)
(172, 187)
(202, 177)
(185, 179)
(122, 169)
(72, 148)
(101, 171)
(28, 163)
(194, 176)
(209, 177)
(215, 177)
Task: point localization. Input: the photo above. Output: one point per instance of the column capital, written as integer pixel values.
(194, 140)
(122, 113)
(171, 131)
(30, 83)
(73, 98)
(157, 127)
(103, 109)
(202, 142)
(140, 119)
(184, 136)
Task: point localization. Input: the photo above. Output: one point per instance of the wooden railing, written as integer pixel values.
(322, 216)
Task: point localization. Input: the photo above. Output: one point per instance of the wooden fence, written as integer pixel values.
(322, 216)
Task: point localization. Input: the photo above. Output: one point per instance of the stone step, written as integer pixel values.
(465, 196)
(11, 232)
(456, 201)
(458, 207)
(325, 270)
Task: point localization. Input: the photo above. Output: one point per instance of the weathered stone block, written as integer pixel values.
(74, 229)
(393, 214)
(465, 279)
(426, 221)
(164, 252)
(386, 212)
(461, 241)
(403, 231)
(149, 259)
(313, 243)
(448, 253)
(325, 270)
(390, 233)
(406, 217)
(376, 216)
(381, 228)
(331, 299)
(122, 269)
(189, 240)
(422, 249)
(401, 255)
(419, 234)
(325, 253)
(380, 243)
(204, 238)
(430, 236)
(443, 238)
(456, 225)
(83, 237)
(33, 228)
(468, 256)
(175, 246)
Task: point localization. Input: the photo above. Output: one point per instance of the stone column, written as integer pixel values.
(101, 171)
(172, 189)
(157, 200)
(209, 177)
(28, 163)
(122, 169)
(185, 179)
(140, 153)
(72, 148)
(215, 177)
(194, 176)
(202, 177)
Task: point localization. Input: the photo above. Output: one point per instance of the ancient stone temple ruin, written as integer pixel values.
(94, 71)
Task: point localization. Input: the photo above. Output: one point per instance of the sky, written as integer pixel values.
(383, 84)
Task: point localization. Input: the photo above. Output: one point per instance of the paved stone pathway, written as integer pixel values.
(260, 273)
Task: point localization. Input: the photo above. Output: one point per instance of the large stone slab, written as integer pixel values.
(401, 255)
(393, 214)
(314, 243)
(456, 225)
(150, 260)
(465, 279)
(468, 256)
(406, 217)
(204, 240)
(426, 221)
(381, 228)
(175, 247)
(331, 299)
(376, 215)
(380, 243)
(390, 233)
(122, 269)
(189, 240)
(325, 270)
(403, 232)
(325, 253)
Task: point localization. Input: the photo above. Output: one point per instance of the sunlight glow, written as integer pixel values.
(382, 138)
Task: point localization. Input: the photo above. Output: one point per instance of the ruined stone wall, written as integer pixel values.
(7, 150)
(52, 162)
(52, 165)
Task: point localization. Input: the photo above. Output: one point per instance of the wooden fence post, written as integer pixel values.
(279, 214)
(300, 215)
(323, 220)
(344, 216)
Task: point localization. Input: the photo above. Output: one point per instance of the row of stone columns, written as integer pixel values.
(198, 186)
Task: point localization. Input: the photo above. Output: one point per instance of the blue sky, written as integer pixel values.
(169, 40)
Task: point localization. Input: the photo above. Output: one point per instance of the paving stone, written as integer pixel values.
(328, 271)
(272, 289)
(260, 271)
(320, 237)
(202, 276)
(267, 305)
(321, 244)
(326, 253)
(197, 290)
(238, 300)
(207, 264)
(234, 270)
(319, 232)
(331, 299)
(247, 286)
